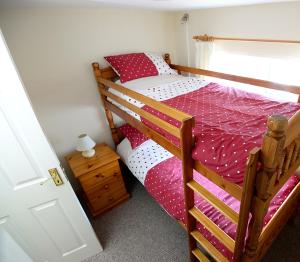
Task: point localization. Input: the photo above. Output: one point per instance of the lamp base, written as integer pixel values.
(88, 153)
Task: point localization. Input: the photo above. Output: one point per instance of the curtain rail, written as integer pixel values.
(207, 38)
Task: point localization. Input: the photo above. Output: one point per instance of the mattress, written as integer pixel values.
(160, 172)
(229, 123)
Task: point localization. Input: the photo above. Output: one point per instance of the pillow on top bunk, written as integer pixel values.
(162, 67)
(137, 65)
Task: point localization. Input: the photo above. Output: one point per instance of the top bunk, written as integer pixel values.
(220, 126)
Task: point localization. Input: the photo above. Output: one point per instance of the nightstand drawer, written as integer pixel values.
(104, 199)
(109, 185)
(100, 176)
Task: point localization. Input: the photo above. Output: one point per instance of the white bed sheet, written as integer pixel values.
(150, 81)
(141, 159)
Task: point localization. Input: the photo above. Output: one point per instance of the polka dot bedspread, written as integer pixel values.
(229, 123)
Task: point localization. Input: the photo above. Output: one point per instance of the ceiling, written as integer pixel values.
(151, 4)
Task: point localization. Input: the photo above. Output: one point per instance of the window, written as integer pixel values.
(273, 66)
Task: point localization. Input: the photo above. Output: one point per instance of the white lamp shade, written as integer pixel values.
(85, 143)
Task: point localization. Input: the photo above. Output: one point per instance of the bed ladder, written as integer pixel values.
(194, 215)
(259, 187)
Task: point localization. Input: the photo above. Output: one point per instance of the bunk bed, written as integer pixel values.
(268, 169)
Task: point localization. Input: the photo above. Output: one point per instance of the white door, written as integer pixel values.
(37, 222)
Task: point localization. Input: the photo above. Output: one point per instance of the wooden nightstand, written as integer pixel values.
(100, 178)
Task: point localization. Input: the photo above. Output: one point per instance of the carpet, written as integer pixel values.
(139, 230)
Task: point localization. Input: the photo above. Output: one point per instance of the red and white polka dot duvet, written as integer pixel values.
(229, 123)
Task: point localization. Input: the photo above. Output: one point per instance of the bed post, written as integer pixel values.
(271, 152)
(109, 116)
(167, 58)
(187, 144)
(248, 191)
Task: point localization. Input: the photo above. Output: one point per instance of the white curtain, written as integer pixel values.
(204, 51)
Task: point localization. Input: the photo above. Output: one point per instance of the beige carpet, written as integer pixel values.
(139, 230)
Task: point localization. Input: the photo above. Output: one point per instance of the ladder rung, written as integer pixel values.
(199, 255)
(213, 228)
(214, 201)
(208, 246)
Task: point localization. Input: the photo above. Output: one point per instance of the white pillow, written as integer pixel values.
(124, 150)
(161, 66)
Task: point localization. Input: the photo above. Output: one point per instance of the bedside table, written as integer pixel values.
(100, 177)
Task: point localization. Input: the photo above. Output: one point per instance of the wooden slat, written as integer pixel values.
(293, 129)
(232, 189)
(213, 228)
(288, 158)
(158, 138)
(296, 151)
(248, 192)
(285, 178)
(214, 201)
(173, 130)
(215, 253)
(200, 256)
(272, 229)
(280, 167)
(170, 111)
(240, 79)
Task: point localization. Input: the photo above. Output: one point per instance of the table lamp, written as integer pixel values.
(85, 145)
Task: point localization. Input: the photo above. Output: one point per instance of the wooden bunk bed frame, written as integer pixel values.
(279, 157)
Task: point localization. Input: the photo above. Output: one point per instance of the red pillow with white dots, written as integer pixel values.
(132, 66)
(134, 136)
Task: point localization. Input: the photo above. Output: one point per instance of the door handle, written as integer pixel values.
(54, 176)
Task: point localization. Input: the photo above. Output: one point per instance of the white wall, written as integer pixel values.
(53, 50)
(274, 21)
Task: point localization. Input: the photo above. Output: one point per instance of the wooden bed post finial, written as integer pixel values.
(272, 149)
(277, 125)
(271, 153)
(167, 58)
(96, 69)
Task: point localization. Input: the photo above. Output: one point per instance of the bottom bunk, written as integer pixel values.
(161, 174)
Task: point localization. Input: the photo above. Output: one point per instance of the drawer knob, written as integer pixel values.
(99, 175)
(116, 173)
(106, 186)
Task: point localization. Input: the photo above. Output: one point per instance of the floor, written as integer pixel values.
(139, 230)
